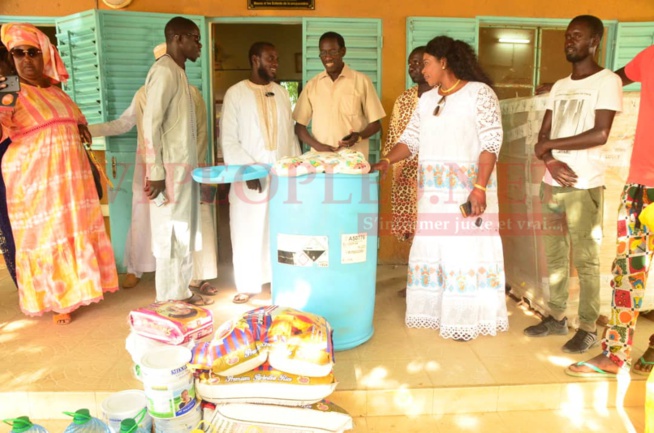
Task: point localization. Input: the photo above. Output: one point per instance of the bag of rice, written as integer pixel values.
(172, 322)
(266, 385)
(321, 417)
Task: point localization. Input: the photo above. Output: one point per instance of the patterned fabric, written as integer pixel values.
(7, 246)
(448, 176)
(63, 256)
(635, 247)
(17, 34)
(456, 276)
(403, 192)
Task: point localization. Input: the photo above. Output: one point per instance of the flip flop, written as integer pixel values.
(198, 301)
(241, 298)
(642, 361)
(205, 288)
(597, 372)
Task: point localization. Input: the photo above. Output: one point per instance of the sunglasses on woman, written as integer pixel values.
(19, 53)
(439, 106)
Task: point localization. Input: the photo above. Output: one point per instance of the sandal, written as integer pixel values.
(205, 288)
(241, 298)
(198, 301)
(62, 319)
(642, 362)
(595, 373)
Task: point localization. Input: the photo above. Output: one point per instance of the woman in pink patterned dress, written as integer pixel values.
(63, 256)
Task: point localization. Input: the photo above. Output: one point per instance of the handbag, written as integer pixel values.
(98, 172)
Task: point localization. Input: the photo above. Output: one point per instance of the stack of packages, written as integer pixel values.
(160, 342)
(345, 161)
(270, 369)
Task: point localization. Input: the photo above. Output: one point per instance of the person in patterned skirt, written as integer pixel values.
(405, 173)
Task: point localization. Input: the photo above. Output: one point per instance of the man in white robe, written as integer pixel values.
(170, 137)
(256, 126)
(138, 251)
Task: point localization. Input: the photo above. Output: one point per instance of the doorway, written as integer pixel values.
(230, 43)
(520, 58)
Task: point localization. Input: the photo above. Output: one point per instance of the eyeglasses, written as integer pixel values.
(195, 36)
(31, 52)
(439, 106)
(330, 53)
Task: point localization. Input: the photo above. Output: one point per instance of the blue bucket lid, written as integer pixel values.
(230, 173)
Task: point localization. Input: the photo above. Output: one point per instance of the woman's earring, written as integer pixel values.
(443, 66)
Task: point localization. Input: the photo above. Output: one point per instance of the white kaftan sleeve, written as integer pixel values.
(201, 122)
(160, 90)
(489, 120)
(124, 123)
(411, 134)
(233, 151)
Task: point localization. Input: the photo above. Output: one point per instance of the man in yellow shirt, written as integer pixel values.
(341, 103)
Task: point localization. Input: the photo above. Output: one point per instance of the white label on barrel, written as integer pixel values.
(353, 248)
(305, 251)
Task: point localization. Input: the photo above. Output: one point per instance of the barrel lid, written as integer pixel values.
(165, 358)
(230, 173)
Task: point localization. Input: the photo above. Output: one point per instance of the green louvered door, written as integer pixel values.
(108, 54)
(77, 39)
(363, 39)
(420, 30)
(631, 39)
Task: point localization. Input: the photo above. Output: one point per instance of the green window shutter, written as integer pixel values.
(363, 39)
(631, 39)
(77, 39)
(420, 30)
(108, 55)
(126, 45)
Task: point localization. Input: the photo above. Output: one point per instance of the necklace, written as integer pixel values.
(451, 88)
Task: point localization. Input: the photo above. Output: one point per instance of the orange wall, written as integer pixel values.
(393, 14)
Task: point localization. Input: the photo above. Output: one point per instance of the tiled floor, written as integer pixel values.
(402, 380)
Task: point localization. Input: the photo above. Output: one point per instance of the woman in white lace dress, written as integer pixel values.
(456, 267)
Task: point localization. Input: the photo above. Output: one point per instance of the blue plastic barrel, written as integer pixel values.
(323, 230)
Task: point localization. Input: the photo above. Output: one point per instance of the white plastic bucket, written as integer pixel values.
(123, 405)
(181, 424)
(168, 383)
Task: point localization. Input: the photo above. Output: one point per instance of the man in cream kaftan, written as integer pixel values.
(256, 127)
(138, 245)
(170, 137)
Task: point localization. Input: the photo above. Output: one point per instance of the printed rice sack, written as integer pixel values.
(321, 417)
(296, 166)
(300, 343)
(345, 161)
(264, 384)
(351, 162)
(237, 347)
(172, 322)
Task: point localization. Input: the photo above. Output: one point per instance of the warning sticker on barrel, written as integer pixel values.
(305, 251)
(353, 248)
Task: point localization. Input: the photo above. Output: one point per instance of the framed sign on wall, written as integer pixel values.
(281, 4)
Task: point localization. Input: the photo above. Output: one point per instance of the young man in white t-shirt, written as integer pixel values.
(577, 122)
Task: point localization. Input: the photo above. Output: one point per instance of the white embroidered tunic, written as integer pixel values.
(456, 269)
